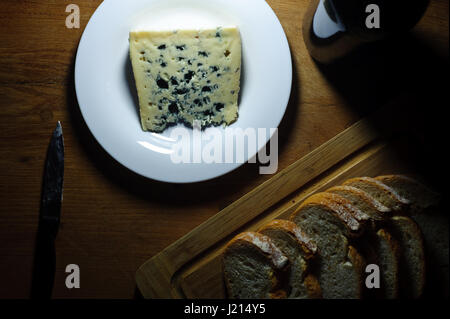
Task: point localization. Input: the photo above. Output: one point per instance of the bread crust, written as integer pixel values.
(273, 255)
(264, 244)
(420, 250)
(359, 264)
(431, 198)
(402, 203)
(313, 286)
(353, 219)
(382, 211)
(395, 249)
(308, 251)
(309, 248)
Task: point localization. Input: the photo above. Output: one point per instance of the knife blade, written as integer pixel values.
(49, 218)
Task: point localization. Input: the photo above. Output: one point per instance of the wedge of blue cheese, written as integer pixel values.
(184, 76)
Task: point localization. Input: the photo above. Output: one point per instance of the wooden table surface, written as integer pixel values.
(113, 220)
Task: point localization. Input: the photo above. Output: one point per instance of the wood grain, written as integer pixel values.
(114, 220)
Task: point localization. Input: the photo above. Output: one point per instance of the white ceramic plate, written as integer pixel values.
(106, 91)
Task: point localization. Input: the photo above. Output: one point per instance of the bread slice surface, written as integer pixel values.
(427, 210)
(300, 250)
(379, 191)
(253, 268)
(330, 221)
(412, 256)
(377, 245)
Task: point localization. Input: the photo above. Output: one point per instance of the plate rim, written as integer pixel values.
(234, 165)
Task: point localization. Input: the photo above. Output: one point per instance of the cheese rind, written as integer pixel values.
(186, 75)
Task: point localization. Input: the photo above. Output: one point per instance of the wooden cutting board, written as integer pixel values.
(191, 266)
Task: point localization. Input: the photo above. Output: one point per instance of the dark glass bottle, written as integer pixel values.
(333, 28)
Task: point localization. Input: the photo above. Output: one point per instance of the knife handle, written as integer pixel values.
(44, 263)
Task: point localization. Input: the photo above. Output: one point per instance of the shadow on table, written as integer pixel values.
(290, 116)
(410, 79)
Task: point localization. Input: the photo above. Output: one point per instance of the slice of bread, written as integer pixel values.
(300, 250)
(387, 250)
(412, 257)
(254, 268)
(420, 195)
(377, 245)
(404, 230)
(362, 200)
(433, 222)
(330, 220)
(333, 235)
(381, 192)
